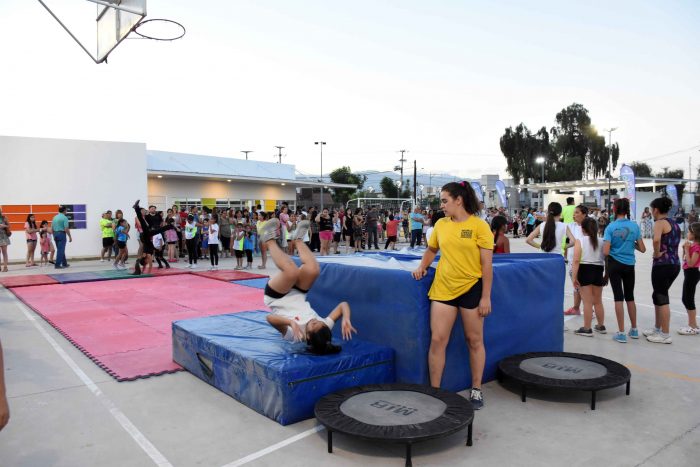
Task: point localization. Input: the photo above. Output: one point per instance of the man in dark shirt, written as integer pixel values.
(371, 222)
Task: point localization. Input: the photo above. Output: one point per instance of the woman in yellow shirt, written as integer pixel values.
(462, 281)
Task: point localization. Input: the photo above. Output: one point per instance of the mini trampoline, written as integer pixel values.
(398, 413)
(565, 371)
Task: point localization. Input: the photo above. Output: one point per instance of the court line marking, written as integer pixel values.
(667, 374)
(143, 442)
(275, 447)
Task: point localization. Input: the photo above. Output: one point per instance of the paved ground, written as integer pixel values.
(68, 412)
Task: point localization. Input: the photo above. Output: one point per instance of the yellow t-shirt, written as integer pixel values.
(459, 267)
(106, 225)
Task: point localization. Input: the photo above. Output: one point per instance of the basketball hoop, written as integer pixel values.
(178, 30)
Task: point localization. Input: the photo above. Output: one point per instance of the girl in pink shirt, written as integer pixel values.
(691, 275)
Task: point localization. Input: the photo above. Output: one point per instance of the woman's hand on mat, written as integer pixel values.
(347, 329)
(420, 273)
(484, 306)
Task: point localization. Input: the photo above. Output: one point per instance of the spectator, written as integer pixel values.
(416, 227)
(107, 227)
(30, 231)
(61, 231)
(5, 234)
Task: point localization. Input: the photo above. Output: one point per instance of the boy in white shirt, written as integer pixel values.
(285, 294)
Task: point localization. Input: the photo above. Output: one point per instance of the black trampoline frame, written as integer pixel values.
(458, 415)
(617, 375)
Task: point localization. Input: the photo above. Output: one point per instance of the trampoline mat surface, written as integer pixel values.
(124, 325)
(393, 408)
(558, 367)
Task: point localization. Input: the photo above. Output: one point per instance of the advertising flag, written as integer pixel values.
(477, 190)
(501, 190)
(627, 174)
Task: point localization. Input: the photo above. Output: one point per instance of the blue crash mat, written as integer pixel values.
(245, 357)
(391, 308)
(255, 283)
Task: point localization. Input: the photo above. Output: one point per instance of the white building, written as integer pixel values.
(90, 177)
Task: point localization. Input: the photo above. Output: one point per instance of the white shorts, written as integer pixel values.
(293, 302)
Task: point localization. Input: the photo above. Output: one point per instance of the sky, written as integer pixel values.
(441, 79)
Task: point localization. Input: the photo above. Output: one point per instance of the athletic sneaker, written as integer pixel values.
(194, 266)
(115, 266)
(633, 333)
(660, 338)
(301, 231)
(600, 329)
(651, 332)
(584, 332)
(688, 331)
(270, 230)
(572, 312)
(476, 398)
(620, 337)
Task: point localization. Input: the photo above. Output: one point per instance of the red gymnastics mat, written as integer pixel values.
(228, 275)
(25, 281)
(125, 326)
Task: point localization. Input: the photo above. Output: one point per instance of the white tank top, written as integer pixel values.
(559, 233)
(589, 255)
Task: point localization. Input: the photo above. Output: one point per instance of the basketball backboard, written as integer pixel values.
(98, 26)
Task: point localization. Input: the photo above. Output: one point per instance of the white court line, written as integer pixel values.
(118, 415)
(274, 447)
(635, 302)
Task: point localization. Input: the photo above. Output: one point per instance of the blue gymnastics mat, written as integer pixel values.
(245, 357)
(255, 283)
(389, 307)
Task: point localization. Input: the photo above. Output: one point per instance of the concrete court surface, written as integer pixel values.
(65, 411)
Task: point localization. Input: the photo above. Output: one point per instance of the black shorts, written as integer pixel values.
(172, 243)
(468, 300)
(121, 245)
(238, 253)
(336, 237)
(107, 242)
(148, 248)
(662, 277)
(31, 241)
(391, 239)
(590, 274)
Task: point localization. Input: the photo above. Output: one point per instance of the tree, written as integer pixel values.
(345, 175)
(641, 169)
(389, 188)
(572, 149)
(675, 173)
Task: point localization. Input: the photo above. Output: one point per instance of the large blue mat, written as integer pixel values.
(391, 308)
(245, 357)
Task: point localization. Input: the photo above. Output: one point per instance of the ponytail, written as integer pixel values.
(549, 238)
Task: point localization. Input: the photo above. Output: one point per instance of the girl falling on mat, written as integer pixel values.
(286, 291)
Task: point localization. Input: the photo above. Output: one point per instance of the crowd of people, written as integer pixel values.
(601, 250)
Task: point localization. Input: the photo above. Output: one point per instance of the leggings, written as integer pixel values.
(690, 281)
(192, 249)
(662, 277)
(249, 255)
(621, 280)
(214, 254)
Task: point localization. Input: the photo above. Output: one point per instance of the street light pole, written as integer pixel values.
(540, 160)
(320, 145)
(610, 130)
(246, 154)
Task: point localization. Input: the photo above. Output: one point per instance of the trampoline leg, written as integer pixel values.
(330, 442)
(469, 435)
(592, 400)
(627, 389)
(409, 463)
(523, 392)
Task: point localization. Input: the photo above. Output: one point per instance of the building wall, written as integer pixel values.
(101, 175)
(163, 192)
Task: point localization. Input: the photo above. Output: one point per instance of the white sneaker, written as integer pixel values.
(211, 268)
(659, 339)
(102, 260)
(302, 230)
(688, 331)
(651, 332)
(194, 266)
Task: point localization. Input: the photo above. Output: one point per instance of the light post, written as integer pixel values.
(610, 130)
(246, 154)
(320, 145)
